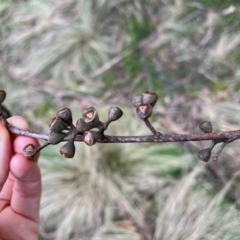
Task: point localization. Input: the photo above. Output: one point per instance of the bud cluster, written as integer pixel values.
(60, 127)
(144, 104)
(90, 120)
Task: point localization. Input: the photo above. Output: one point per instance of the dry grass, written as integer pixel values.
(121, 191)
(191, 213)
(80, 53)
(104, 185)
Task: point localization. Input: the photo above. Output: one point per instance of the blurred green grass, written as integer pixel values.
(77, 54)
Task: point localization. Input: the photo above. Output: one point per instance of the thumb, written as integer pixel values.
(5, 154)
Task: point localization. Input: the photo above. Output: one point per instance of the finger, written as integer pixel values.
(20, 123)
(27, 188)
(6, 192)
(25, 199)
(5, 154)
(18, 143)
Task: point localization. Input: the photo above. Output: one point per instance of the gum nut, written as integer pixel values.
(57, 125)
(29, 150)
(90, 115)
(144, 111)
(68, 150)
(204, 154)
(89, 138)
(56, 137)
(82, 126)
(65, 114)
(206, 127)
(137, 100)
(114, 113)
(150, 98)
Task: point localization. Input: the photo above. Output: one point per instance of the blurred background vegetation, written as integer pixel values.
(79, 53)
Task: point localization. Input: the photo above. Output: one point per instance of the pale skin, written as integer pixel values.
(20, 186)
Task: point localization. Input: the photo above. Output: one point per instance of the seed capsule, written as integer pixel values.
(137, 100)
(144, 111)
(29, 150)
(206, 127)
(65, 114)
(56, 137)
(82, 126)
(150, 98)
(114, 113)
(57, 125)
(2, 96)
(205, 154)
(68, 150)
(90, 115)
(89, 138)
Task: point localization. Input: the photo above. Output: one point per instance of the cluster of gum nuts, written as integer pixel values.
(62, 129)
(144, 104)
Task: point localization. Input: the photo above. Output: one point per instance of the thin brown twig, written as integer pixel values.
(151, 128)
(219, 136)
(224, 144)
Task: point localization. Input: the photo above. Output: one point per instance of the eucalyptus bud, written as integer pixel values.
(68, 150)
(89, 138)
(144, 111)
(65, 114)
(29, 150)
(114, 113)
(2, 96)
(137, 100)
(150, 98)
(205, 154)
(206, 127)
(56, 137)
(57, 125)
(82, 126)
(90, 115)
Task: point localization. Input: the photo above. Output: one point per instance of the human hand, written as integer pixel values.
(20, 186)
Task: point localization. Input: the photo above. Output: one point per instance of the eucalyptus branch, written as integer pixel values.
(63, 130)
(164, 138)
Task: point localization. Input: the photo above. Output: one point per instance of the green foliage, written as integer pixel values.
(138, 30)
(218, 4)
